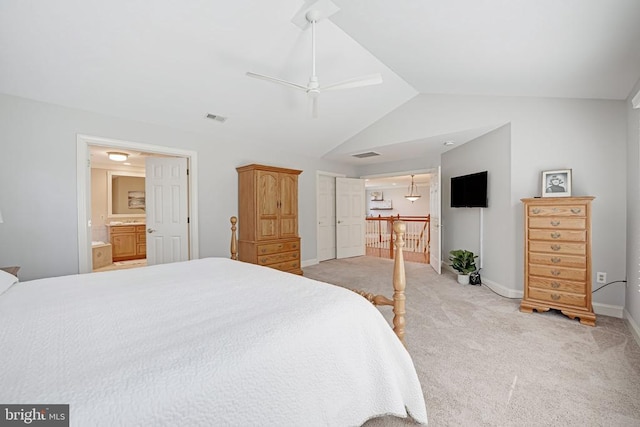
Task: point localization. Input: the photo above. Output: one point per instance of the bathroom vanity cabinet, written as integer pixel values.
(128, 241)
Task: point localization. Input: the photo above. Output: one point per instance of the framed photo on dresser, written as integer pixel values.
(556, 183)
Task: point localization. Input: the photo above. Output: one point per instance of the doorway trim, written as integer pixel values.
(83, 173)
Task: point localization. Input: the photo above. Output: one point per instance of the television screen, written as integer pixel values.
(469, 191)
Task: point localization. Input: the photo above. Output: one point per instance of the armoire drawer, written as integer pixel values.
(275, 258)
(273, 248)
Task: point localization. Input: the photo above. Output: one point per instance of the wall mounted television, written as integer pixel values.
(469, 191)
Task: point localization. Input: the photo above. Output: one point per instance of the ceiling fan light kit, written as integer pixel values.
(313, 87)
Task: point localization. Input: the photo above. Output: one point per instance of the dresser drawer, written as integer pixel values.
(276, 258)
(277, 247)
(568, 210)
(557, 297)
(557, 285)
(558, 272)
(566, 235)
(558, 223)
(573, 261)
(558, 247)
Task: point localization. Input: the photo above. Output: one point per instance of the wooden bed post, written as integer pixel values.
(234, 238)
(399, 284)
(399, 281)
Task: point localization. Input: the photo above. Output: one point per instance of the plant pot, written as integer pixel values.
(463, 279)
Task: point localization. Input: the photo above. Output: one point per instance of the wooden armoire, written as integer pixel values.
(268, 217)
(557, 256)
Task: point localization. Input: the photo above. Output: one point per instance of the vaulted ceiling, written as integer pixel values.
(172, 62)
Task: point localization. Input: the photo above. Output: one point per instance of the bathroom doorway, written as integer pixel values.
(101, 224)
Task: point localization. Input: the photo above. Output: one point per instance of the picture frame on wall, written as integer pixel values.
(556, 183)
(376, 195)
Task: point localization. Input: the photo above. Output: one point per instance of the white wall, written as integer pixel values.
(462, 227)
(588, 136)
(400, 205)
(38, 182)
(633, 215)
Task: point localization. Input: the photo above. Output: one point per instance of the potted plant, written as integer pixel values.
(464, 262)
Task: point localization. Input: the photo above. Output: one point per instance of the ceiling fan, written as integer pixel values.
(313, 88)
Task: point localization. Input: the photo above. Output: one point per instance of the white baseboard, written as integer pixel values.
(633, 326)
(608, 310)
(501, 290)
(308, 262)
(495, 287)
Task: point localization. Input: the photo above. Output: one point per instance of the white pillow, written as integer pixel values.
(6, 281)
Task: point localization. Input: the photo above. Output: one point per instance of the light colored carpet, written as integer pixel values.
(482, 362)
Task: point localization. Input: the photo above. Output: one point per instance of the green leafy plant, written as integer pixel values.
(464, 262)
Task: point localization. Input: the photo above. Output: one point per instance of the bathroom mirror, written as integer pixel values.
(125, 194)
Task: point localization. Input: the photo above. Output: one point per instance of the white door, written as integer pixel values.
(167, 210)
(435, 248)
(350, 217)
(326, 204)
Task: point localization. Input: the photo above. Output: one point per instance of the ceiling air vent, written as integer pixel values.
(365, 155)
(216, 118)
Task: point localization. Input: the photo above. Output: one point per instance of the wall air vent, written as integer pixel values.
(216, 118)
(365, 155)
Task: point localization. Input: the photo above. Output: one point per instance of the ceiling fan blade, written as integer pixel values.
(372, 79)
(275, 80)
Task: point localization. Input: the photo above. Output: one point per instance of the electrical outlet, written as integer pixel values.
(601, 277)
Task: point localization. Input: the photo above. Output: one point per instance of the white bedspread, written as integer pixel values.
(209, 342)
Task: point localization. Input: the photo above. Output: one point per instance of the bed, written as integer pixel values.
(203, 342)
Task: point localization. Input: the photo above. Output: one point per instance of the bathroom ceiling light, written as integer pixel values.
(117, 157)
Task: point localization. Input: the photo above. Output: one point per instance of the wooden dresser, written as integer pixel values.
(557, 256)
(268, 217)
(128, 241)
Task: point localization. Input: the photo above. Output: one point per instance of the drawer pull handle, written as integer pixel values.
(576, 210)
(555, 223)
(555, 235)
(535, 210)
(264, 260)
(555, 297)
(555, 209)
(555, 285)
(555, 260)
(555, 273)
(263, 250)
(555, 247)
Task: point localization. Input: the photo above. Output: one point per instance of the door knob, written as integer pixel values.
(150, 230)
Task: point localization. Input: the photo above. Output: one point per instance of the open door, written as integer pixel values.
(326, 217)
(435, 249)
(167, 210)
(350, 217)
